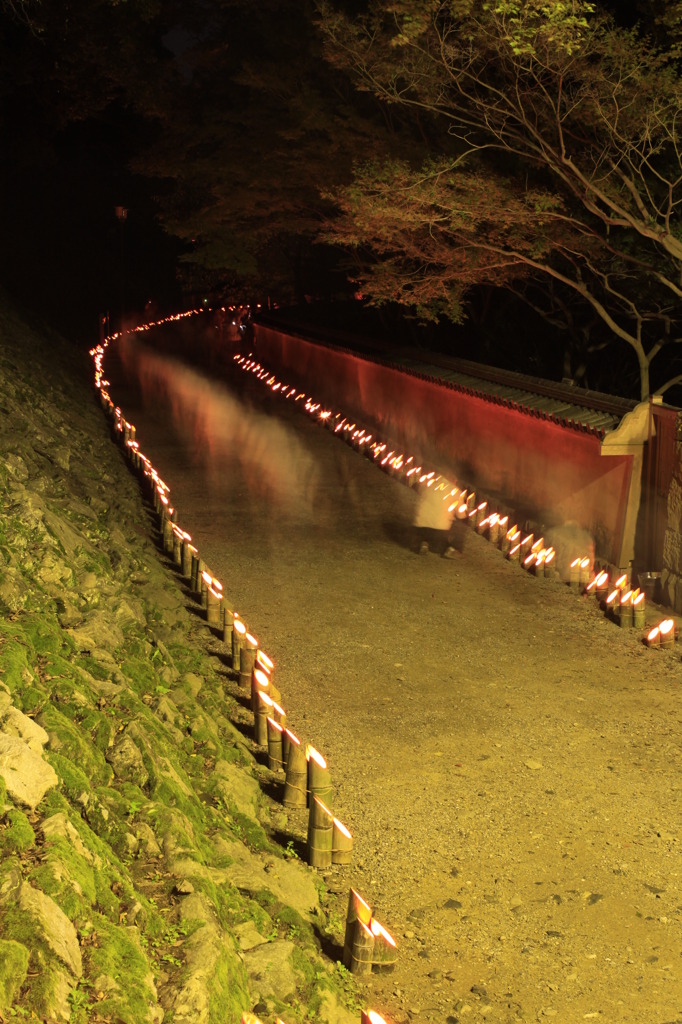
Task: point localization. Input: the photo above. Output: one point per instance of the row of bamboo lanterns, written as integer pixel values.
(621, 603)
(307, 780)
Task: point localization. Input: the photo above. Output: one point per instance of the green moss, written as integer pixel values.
(65, 875)
(76, 746)
(13, 661)
(297, 927)
(250, 832)
(44, 633)
(141, 674)
(93, 667)
(118, 954)
(43, 974)
(228, 989)
(16, 834)
(74, 781)
(13, 970)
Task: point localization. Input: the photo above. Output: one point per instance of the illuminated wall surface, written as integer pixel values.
(553, 473)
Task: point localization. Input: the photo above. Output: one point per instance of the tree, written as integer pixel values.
(557, 161)
(260, 121)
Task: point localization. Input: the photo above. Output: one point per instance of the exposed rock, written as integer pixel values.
(331, 1012)
(14, 723)
(238, 787)
(248, 936)
(127, 761)
(270, 969)
(27, 776)
(59, 826)
(57, 930)
(55, 996)
(147, 839)
(290, 881)
(201, 952)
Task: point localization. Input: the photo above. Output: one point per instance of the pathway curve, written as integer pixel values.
(508, 760)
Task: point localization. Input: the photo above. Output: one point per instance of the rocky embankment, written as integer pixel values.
(138, 877)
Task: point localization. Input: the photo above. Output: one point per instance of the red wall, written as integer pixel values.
(551, 473)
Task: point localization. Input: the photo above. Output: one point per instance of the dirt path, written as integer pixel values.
(507, 759)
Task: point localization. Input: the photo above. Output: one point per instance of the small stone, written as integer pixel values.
(184, 888)
(533, 765)
(452, 905)
(408, 935)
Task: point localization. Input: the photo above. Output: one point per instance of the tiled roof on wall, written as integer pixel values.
(569, 406)
(563, 403)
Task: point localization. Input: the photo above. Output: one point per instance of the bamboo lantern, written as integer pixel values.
(194, 572)
(653, 638)
(198, 583)
(358, 910)
(529, 560)
(249, 1018)
(494, 528)
(385, 950)
(462, 512)
(228, 622)
(625, 613)
(320, 834)
(537, 545)
(601, 586)
(514, 553)
(371, 1017)
(214, 603)
(296, 782)
(622, 583)
(342, 844)
(260, 719)
(362, 950)
(526, 545)
(584, 572)
(319, 779)
(247, 660)
(667, 633)
(259, 683)
(503, 525)
(279, 714)
(275, 756)
(511, 539)
(612, 604)
(287, 736)
(638, 611)
(480, 519)
(264, 662)
(550, 564)
(177, 545)
(188, 550)
(238, 634)
(167, 530)
(574, 573)
(538, 567)
(471, 499)
(205, 580)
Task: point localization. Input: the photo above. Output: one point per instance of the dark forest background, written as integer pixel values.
(161, 153)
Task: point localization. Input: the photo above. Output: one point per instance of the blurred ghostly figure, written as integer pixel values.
(436, 529)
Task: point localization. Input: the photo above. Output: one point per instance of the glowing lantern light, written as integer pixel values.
(667, 633)
(385, 951)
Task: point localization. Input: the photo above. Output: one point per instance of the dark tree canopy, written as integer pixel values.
(557, 173)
